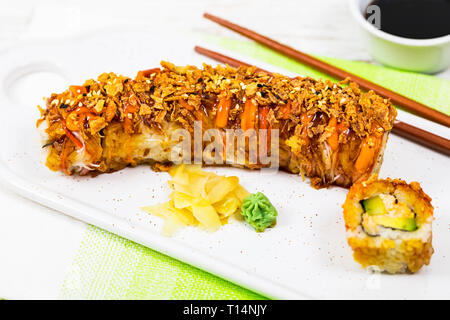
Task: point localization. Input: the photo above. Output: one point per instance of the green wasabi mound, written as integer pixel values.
(258, 211)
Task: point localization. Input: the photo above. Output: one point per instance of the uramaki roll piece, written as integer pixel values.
(388, 225)
(330, 132)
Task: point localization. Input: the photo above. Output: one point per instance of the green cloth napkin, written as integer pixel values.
(110, 267)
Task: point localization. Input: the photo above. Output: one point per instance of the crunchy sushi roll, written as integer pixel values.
(388, 225)
(333, 133)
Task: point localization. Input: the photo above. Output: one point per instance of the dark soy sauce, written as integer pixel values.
(416, 19)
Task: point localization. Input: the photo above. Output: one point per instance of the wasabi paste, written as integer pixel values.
(258, 211)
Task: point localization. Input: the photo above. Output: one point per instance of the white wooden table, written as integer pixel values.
(34, 260)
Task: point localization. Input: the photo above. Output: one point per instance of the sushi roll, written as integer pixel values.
(333, 133)
(388, 225)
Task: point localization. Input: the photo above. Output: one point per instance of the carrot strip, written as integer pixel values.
(129, 107)
(186, 105)
(77, 90)
(333, 140)
(305, 120)
(77, 116)
(72, 122)
(223, 109)
(81, 110)
(147, 73)
(127, 125)
(263, 122)
(366, 154)
(249, 115)
(69, 134)
(342, 127)
(64, 157)
(285, 110)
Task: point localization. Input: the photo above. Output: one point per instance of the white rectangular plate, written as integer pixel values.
(304, 256)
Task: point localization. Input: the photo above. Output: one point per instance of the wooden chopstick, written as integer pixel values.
(398, 99)
(422, 137)
(402, 129)
(225, 59)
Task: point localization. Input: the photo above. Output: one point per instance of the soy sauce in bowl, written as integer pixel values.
(415, 19)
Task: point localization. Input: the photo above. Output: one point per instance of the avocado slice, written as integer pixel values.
(406, 224)
(374, 206)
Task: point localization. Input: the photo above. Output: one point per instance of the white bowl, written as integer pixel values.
(427, 56)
